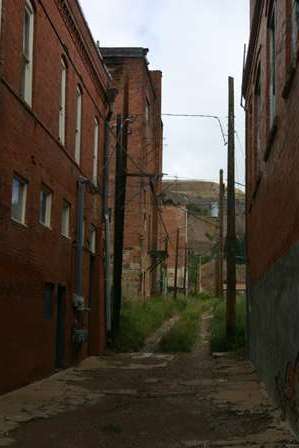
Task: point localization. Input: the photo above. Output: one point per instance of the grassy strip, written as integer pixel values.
(139, 320)
(219, 342)
(183, 335)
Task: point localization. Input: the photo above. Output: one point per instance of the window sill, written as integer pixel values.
(271, 138)
(255, 192)
(45, 226)
(289, 81)
(19, 223)
(65, 237)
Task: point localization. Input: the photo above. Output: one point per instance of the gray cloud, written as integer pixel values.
(197, 44)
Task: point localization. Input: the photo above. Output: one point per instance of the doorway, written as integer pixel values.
(60, 327)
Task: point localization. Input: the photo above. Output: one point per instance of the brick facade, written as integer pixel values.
(139, 98)
(175, 218)
(35, 330)
(270, 87)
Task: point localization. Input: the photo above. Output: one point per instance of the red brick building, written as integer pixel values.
(53, 102)
(270, 87)
(139, 99)
(175, 218)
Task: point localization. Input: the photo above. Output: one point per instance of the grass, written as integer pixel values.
(183, 335)
(219, 341)
(139, 320)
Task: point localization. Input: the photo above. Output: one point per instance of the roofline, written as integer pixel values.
(254, 33)
(121, 53)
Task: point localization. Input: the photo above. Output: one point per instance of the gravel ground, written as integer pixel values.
(146, 400)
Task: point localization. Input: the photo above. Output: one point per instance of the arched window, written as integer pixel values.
(28, 31)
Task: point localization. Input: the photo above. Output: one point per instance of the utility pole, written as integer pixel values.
(165, 268)
(199, 275)
(231, 224)
(221, 234)
(186, 271)
(175, 292)
(119, 217)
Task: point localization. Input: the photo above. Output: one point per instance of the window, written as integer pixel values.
(65, 222)
(62, 103)
(18, 200)
(28, 53)
(257, 121)
(95, 152)
(0, 16)
(295, 29)
(92, 239)
(147, 111)
(48, 301)
(78, 125)
(272, 65)
(45, 207)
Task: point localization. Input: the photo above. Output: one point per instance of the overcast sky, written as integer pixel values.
(197, 44)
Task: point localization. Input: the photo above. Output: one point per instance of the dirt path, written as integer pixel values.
(146, 401)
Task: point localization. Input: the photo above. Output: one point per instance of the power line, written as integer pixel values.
(215, 117)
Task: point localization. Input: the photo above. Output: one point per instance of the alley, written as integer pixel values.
(146, 400)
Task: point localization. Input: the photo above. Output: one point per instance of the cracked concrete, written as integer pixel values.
(146, 400)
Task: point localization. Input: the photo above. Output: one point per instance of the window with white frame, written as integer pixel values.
(95, 152)
(258, 110)
(45, 212)
(295, 30)
(78, 125)
(147, 111)
(272, 65)
(0, 16)
(65, 221)
(18, 199)
(62, 105)
(28, 30)
(92, 239)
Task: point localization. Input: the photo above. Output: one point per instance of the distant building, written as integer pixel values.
(198, 202)
(53, 102)
(139, 99)
(270, 87)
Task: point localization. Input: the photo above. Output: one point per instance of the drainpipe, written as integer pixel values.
(78, 296)
(106, 221)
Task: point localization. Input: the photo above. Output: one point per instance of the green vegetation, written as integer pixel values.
(183, 335)
(139, 320)
(219, 342)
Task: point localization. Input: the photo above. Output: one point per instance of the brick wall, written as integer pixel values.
(175, 218)
(128, 67)
(272, 201)
(32, 255)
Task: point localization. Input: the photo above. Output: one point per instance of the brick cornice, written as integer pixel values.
(256, 21)
(97, 73)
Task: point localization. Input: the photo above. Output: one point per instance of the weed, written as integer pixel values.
(219, 341)
(183, 335)
(139, 320)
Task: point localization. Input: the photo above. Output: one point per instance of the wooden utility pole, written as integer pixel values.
(119, 216)
(165, 285)
(231, 224)
(175, 291)
(221, 234)
(186, 270)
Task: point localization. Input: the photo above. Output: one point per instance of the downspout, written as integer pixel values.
(78, 296)
(106, 221)
(111, 95)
